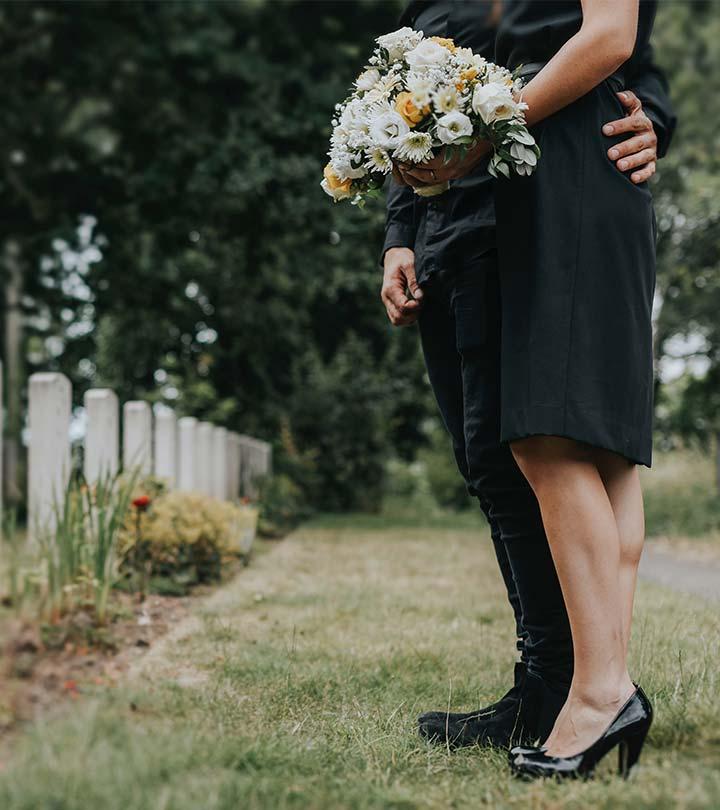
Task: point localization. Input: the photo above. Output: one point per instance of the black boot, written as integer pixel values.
(540, 705)
(492, 725)
(525, 715)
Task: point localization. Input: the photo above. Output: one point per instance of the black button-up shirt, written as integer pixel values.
(453, 228)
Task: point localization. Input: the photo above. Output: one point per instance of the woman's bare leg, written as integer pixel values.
(585, 543)
(622, 484)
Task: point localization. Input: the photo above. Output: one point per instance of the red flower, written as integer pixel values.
(142, 502)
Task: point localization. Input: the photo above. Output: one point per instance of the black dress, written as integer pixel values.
(576, 252)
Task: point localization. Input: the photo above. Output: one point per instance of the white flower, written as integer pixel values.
(493, 102)
(465, 55)
(396, 43)
(342, 164)
(337, 194)
(420, 88)
(415, 147)
(387, 129)
(453, 125)
(366, 80)
(500, 75)
(427, 54)
(445, 100)
(378, 160)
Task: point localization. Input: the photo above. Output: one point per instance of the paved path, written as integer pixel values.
(699, 577)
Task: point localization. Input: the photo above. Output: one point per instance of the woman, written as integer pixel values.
(577, 269)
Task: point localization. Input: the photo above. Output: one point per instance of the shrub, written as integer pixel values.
(182, 536)
(282, 506)
(444, 479)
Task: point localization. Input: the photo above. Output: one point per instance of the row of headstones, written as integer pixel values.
(188, 454)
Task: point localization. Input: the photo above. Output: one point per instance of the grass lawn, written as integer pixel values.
(297, 685)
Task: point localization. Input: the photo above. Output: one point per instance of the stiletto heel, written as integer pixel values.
(627, 731)
(629, 753)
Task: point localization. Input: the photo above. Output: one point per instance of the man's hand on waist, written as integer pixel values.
(639, 150)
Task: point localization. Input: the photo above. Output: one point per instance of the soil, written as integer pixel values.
(43, 666)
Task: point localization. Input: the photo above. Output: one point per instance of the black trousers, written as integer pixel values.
(460, 333)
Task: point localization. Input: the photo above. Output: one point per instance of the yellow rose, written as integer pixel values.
(334, 182)
(465, 76)
(446, 42)
(405, 106)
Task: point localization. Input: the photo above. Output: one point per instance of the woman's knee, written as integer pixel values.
(546, 460)
(631, 551)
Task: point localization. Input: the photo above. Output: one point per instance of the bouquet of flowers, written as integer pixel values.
(418, 95)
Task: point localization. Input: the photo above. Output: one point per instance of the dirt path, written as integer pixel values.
(681, 572)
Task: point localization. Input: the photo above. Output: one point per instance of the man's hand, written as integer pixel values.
(438, 169)
(399, 277)
(639, 151)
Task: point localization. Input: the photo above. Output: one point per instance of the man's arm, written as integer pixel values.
(650, 85)
(399, 218)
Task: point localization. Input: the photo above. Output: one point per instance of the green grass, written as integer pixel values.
(297, 686)
(681, 496)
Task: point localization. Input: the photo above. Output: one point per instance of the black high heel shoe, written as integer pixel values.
(627, 731)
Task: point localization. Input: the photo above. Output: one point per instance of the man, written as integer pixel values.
(440, 271)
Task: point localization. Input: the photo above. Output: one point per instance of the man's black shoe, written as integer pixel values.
(495, 724)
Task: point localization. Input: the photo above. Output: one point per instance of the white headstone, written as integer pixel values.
(219, 462)
(233, 466)
(166, 445)
(101, 434)
(187, 459)
(256, 464)
(203, 453)
(50, 403)
(137, 437)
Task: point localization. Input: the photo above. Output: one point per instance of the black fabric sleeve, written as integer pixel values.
(650, 85)
(399, 218)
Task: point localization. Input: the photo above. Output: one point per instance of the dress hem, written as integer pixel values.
(616, 437)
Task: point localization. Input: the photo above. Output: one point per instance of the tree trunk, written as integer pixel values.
(13, 357)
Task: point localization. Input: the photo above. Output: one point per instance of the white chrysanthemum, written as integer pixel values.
(500, 75)
(420, 88)
(354, 116)
(479, 62)
(342, 164)
(397, 43)
(494, 102)
(464, 55)
(387, 128)
(427, 54)
(453, 125)
(445, 100)
(367, 79)
(383, 89)
(415, 147)
(378, 160)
